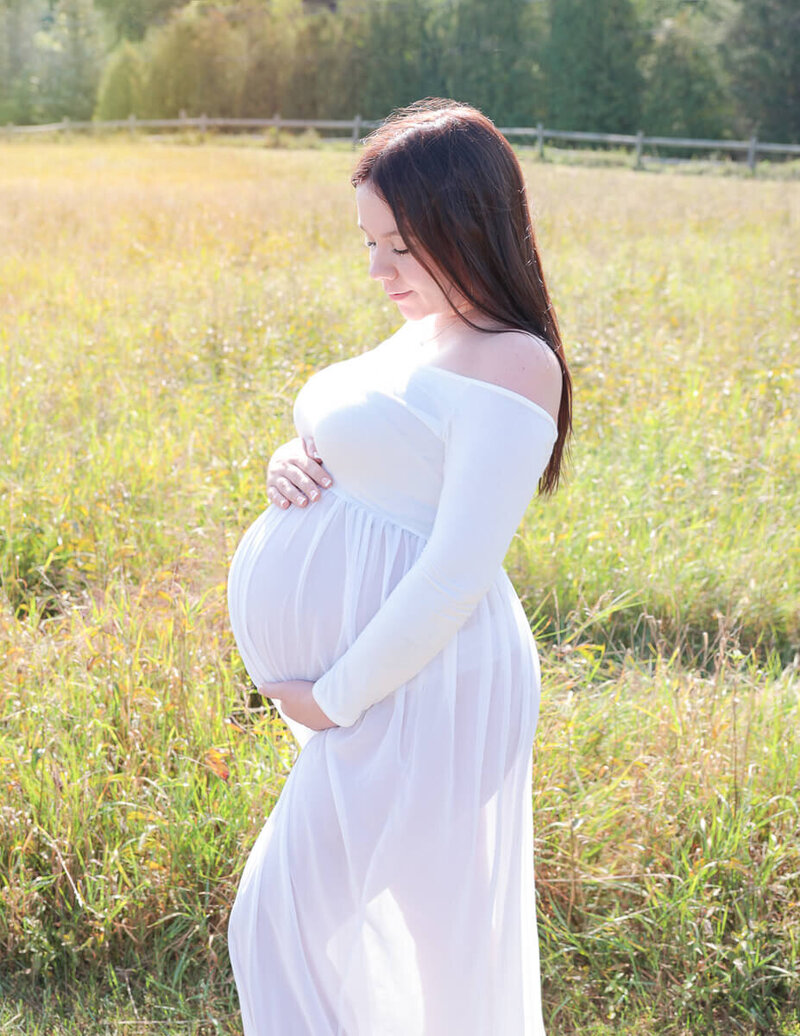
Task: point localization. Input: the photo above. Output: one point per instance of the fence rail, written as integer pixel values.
(638, 141)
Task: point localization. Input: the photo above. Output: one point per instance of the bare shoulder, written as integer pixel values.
(524, 364)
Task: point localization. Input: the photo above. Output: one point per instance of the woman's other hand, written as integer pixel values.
(295, 474)
(298, 703)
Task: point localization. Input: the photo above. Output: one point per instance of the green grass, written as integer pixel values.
(162, 306)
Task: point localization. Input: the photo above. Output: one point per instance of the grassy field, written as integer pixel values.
(162, 305)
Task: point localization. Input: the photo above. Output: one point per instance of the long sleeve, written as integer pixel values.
(497, 444)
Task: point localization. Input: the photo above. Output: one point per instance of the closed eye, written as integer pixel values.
(397, 251)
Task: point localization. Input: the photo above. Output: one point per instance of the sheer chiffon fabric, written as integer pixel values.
(391, 890)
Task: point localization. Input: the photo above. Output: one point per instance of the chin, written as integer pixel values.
(412, 310)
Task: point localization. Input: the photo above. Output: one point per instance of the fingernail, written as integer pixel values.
(313, 494)
(326, 482)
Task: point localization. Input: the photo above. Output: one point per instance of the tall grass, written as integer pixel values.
(162, 306)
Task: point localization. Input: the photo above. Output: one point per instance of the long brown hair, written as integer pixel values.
(456, 190)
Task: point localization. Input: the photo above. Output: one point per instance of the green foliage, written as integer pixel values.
(491, 61)
(75, 53)
(267, 39)
(414, 65)
(39, 571)
(195, 64)
(122, 86)
(701, 903)
(19, 59)
(132, 18)
(763, 49)
(51, 57)
(593, 79)
(318, 66)
(684, 94)
(602, 65)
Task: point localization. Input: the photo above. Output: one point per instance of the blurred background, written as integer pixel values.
(692, 68)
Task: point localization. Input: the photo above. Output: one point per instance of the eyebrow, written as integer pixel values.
(394, 232)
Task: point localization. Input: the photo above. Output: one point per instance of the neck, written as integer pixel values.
(442, 325)
(444, 328)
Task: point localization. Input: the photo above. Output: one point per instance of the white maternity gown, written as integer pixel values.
(391, 891)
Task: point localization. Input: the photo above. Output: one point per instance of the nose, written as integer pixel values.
(381, 268)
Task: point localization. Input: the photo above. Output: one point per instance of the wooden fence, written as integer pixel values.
(750, 149)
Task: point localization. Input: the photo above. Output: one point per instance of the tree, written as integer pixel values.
(684, 94)
(20, 21)
(490, 59)
(122, 85)
(591, 64)
(132, 18)
(267, 50)
(74, 51)
(401, 64)
(195, 64)
(316, 65)
(51, 55)
(763, 54)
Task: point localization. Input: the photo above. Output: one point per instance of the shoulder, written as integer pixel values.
(522, 363)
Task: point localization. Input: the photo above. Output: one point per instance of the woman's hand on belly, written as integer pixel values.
(298, 704)
(295, 474)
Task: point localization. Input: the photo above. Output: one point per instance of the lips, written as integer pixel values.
(398, 296)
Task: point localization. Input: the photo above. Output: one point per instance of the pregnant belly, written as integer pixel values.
(303, 583)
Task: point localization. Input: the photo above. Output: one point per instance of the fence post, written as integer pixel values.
(65, 124)
(182, 117)
(639, 145)
(540, 139)
(356, 131)
(203, 126)
(132, 124)
(752, 151)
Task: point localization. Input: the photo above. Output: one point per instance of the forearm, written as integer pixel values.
(413, 626)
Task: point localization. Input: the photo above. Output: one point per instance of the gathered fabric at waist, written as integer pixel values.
(379, 512)
(372, 510)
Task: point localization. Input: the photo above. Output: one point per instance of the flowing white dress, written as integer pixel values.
(391, 890)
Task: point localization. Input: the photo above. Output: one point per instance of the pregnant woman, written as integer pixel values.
(391, 891)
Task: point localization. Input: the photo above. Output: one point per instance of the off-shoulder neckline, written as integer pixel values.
(491, 385)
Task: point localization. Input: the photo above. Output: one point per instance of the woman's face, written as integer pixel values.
(403, 278)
